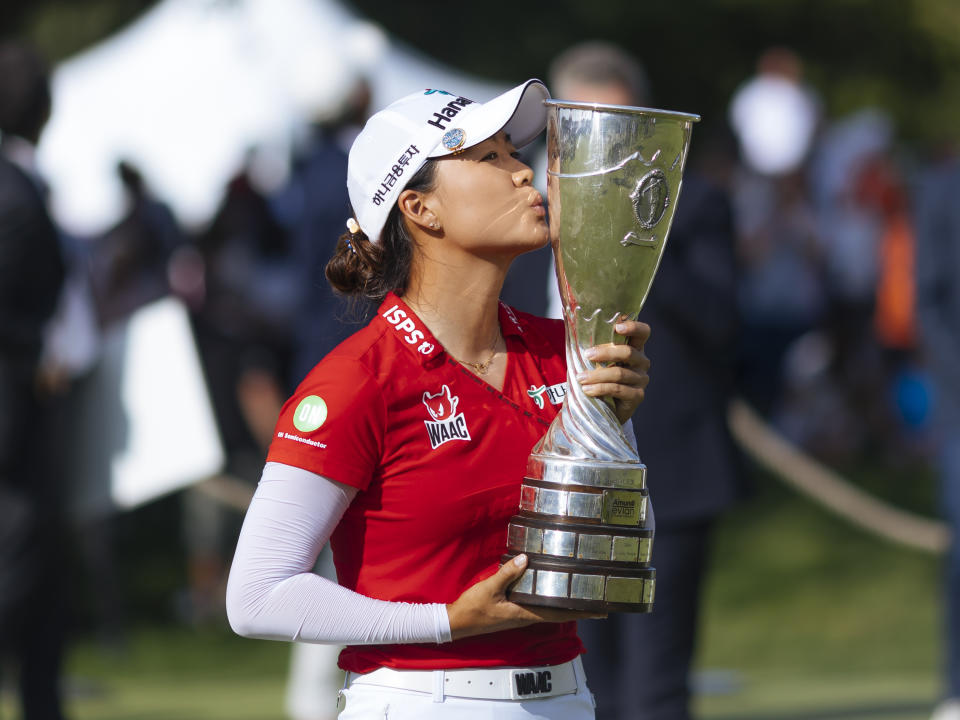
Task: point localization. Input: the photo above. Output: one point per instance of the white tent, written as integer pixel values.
(186, 90)
(184, 93)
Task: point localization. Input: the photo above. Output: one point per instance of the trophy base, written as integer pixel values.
(579, 586)
(578, 471)
(583, 526)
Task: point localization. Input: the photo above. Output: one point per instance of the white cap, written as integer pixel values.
(399, 139)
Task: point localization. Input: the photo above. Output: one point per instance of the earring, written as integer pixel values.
(434, 226)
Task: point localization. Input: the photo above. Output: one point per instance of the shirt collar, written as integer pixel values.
(509, 322)
(408, 329)
(414, 335)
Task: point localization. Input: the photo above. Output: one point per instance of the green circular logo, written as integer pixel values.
(311, 413)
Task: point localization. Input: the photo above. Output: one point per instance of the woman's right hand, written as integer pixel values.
(483, 607)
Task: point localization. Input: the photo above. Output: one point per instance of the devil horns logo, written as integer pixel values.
(446, 424)
(441, 406)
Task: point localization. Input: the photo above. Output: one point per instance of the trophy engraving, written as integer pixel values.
(613, 177)
(650, 199)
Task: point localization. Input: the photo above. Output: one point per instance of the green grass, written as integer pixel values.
(163, 674)
(816, 619)
(806, 618)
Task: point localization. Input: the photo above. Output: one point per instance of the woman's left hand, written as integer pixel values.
(625, 375)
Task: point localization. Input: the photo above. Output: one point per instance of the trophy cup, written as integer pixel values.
(585, 521)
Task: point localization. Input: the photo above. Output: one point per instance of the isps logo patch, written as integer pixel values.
(446, 424)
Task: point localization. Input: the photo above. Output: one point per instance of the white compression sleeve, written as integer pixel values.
(272, 592)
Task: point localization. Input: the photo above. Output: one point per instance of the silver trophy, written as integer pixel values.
(585, 521)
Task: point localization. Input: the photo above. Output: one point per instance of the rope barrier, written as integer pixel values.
(775, 453)
(227, 490)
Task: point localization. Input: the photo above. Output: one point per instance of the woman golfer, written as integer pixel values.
(405, 447)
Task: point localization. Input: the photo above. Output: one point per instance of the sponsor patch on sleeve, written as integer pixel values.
(310, 414)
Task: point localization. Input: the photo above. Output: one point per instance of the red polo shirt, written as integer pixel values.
(438, 456)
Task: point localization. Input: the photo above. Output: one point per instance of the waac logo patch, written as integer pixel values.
(446, 424)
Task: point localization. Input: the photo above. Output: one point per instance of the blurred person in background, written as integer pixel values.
(244, 321)
(639, 665)
(875, 371)
(128, 263)
(782, 289)
(314, 203)
(894, 319)
(868, 330)
(312, 207)
(938, 311)
(32, 615)
(126, 267)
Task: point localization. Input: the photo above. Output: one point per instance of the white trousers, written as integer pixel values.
(372, 702)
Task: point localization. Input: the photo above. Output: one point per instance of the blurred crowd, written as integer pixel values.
(823, 336)
(826, 243)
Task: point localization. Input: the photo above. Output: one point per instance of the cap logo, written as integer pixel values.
(453, 139)
(448, 112)
(393, 175)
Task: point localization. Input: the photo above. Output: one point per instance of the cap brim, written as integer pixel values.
(520, 112)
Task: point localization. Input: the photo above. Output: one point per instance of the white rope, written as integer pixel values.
(227, 490)
(837, 494)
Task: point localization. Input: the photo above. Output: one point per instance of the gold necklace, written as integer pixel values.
(481, 367)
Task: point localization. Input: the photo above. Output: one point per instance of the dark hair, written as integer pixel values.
(24, 91)
(367, 270)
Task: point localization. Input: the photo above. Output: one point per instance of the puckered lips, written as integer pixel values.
(536, 202)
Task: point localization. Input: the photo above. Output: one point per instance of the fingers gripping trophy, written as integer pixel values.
(585, 520)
